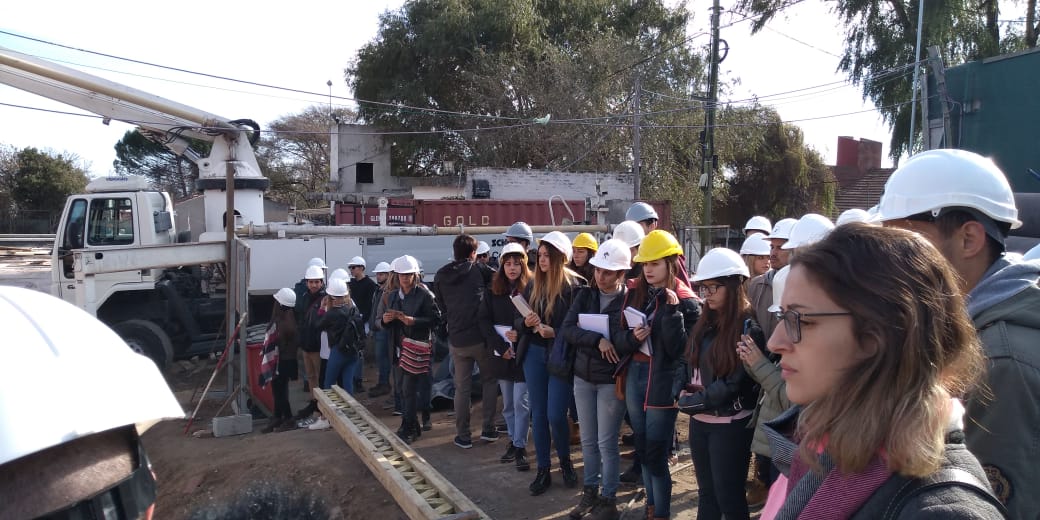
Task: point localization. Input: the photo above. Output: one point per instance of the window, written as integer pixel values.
(111, 222)
(364, 173)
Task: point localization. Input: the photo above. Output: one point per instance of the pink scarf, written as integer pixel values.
(839, 495)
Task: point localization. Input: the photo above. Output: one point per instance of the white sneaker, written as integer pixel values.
(303, 423)
(320, 424)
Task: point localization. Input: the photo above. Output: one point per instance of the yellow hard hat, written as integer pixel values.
(585, 240)
(657, 245)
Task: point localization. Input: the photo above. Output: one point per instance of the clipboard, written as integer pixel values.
(521, 305)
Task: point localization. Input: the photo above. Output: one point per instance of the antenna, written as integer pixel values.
(329, 83)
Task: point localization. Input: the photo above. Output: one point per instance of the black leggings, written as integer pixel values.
(280, 388)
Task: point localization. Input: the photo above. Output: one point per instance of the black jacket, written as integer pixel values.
(668, 333)
(499, 310)
(345, 329)
(307, 320)
(361, 292)
(588, 361)
(459, 287)
(723, 396)
(529, 337)
(417, 304)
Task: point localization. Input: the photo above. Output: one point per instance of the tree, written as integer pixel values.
(43, 180)
(168, 171)
(773, 172)
(880, 38)
(8, 169)
(294, 153)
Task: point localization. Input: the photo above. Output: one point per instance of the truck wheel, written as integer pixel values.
(147, 339)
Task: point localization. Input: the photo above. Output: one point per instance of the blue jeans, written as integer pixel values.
(653, 429)
(516, 410)
(721, 453)
(549, 397)
(382, 341)
(601, 413)
(342, 366)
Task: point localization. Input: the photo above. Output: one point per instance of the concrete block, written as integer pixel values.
(232, 425)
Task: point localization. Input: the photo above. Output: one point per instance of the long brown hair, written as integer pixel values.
(390, 286)
(549, 285)
(500, 284)
(285, 322)
(728, 324)
(908, 310)
(636, 298)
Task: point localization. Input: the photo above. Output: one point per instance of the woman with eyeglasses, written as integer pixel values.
(876, 348)
(652, 351)
(720, 396)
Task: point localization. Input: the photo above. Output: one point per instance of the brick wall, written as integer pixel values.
(516, 184)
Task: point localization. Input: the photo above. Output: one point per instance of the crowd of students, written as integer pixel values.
(884, 367)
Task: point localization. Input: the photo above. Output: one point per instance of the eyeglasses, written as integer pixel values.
(708, 289)
(793, 321)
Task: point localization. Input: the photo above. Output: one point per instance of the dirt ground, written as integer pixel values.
(198, 474)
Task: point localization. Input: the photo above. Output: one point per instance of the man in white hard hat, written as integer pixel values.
(963, 204)
(308, 336)
(760, 288)
(459, 287)
(484, 253)
(84, 460)
(361, 290)
(757, 225)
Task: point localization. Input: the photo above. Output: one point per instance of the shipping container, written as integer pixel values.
(472, 212)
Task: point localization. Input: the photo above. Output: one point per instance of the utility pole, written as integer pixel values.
(917, 74)
(636, 150)
(708, 136)
(936, 64)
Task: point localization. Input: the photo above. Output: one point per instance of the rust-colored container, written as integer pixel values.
(471, 212)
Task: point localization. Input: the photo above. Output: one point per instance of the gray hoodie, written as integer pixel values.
(1003, 426)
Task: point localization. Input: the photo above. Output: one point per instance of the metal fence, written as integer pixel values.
(30, 222)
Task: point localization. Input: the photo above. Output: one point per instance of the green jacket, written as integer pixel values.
(1003, 425)
(772, 403)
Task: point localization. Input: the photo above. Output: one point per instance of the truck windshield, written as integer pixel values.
(111, 222)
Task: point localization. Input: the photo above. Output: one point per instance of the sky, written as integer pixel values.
(306, 43)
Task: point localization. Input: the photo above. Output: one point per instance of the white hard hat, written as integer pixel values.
(782, 229)
(46, 335)
(720, 262)
(382, 267)
(405, 265)
(339, 273)
(853, 215)
(629, 232)
(759, 223)
(560, 242)
(357, 260)
(613, 255)
(483, 248)
(337, 287)
(947, 178)
(755, 244)
(810, 228)
(512, 248)
(314, 273)
(779, 280)
(286, 297)
(640, 211)
(317, 262)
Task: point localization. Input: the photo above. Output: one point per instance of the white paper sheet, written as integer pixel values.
(521, 305)
(501, 330)
(595, 323)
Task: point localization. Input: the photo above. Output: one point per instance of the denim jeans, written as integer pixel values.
(549, 397)
(382, 341)
(721, 453)
(653, 429)
(516, 410)
(600, 413)
(342, 367)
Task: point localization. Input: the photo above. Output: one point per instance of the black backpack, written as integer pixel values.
(904, 489)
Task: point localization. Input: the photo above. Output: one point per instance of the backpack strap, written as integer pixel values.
(944, 478)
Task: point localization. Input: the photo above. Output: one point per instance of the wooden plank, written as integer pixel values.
(413, 505)
(447, 489)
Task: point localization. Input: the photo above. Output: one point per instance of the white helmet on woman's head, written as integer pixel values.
(779, 281)
(755, 244)
(811, 228)
(337, 287)
(719, 263)
(613, 255)
(560, 242)
(629, 232)
(285, 296)
(340, 273)
(119, 389)
(512, 248)
(758, 224)
(406, 264)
